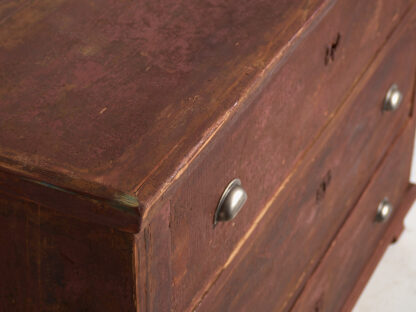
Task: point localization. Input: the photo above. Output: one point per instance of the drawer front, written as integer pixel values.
(340, 269)
(281, 249)
(262, 143)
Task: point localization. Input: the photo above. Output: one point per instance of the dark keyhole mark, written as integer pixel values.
(330, 51)
(320, 192)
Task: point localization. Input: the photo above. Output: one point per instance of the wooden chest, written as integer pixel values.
(122, 124)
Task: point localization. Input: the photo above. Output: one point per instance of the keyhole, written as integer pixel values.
(320, 192)
(330, 51)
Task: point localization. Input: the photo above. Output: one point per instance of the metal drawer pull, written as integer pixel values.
(384, 210)
(393, 98)
(231, 202)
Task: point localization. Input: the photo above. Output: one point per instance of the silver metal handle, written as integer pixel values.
(232, 200)
(393, 98)
(384, 210)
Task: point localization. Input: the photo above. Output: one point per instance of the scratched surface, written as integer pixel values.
(117, 92)
(53, 263)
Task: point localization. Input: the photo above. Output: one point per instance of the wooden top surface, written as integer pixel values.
(118, 96)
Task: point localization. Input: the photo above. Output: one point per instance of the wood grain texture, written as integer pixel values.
(122, 121)
(81, 106)
(52, 263)
(341, 267)
(263, 144)
(391, 235)
(266, 270)
(119, 93)
(153, 265)
(73, 205)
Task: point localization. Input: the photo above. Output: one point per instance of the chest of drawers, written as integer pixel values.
(202, 155)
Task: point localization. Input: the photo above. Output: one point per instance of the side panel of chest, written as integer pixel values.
(55, 263)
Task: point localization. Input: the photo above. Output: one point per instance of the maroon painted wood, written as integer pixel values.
(53, 263)
(298, 223)
(120, 93)
(153, 266)
(391, 235)
(121, 123)
(331, 284)
(262, 144)
(111, 213)
(83, 109)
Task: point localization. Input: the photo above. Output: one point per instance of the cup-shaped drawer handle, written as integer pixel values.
(384, 210)
(393, 98)
(232, 200)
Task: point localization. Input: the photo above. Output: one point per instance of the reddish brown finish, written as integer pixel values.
(122, 122)
(70, 204)
(52, 263)
(153, 268)
(119, 93)
(392, 234)
(341, 267)
(348, 151)
(262, 144)
(83, 110)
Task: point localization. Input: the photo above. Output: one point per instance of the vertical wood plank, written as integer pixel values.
(53, 263)
(153, 264)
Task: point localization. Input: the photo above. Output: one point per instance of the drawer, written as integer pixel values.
(340, 269)
(281, 248)
(262, 142)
